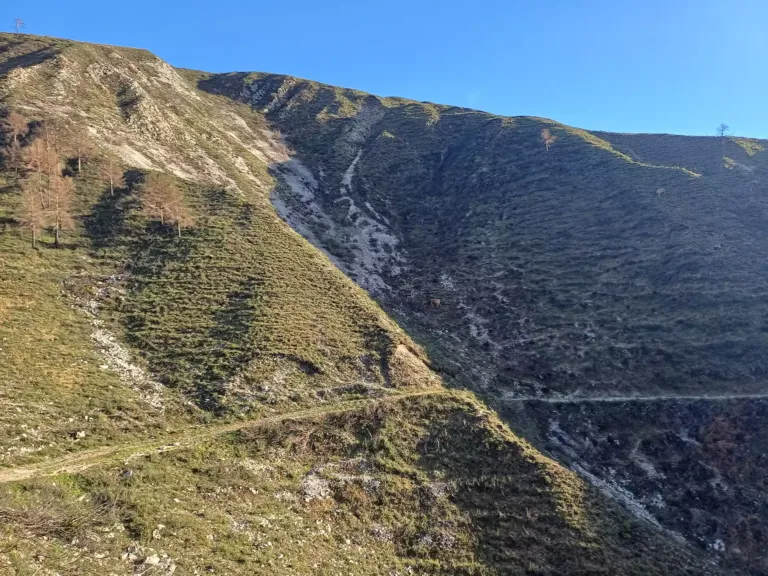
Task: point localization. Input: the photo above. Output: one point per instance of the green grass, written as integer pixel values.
(52, 382)
(437, 485)
(240, 295)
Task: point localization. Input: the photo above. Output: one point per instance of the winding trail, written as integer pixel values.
(619, 399)
(81, 461)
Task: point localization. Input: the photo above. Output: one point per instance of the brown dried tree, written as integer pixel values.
(178, 213)
(155, 192)
(36, 160)
(112, 173)
(14, 156)
(80, 147)
(59, 214)
(547, 138)
(16, 125)
(162, 199)
(33, 215)
(42, 160)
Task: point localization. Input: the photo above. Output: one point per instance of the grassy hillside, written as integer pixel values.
(226, 400)
(435, 485)
(699, 466)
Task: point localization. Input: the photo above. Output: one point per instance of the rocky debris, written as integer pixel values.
(382, 533)
(146, 559)
(375, 251)
(313, 487)
(321, 480)
(116, 357)
(119, 361)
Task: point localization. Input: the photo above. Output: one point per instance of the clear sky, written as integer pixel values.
(680, 66)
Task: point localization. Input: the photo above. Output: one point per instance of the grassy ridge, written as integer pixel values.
(241, 296)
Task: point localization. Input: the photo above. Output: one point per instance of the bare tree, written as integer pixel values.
(722, 132)
(32, 214)
(547, 138)
(42, 158)
(18, 24)
(155, 191)
(112, 173)
(62, 194)
(162, 199)
(16, 125)
(178, 213)
(37, 159)
(14, 156)
(81, 147)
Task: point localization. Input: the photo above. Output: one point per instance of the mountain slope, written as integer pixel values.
(601, 265)
(608, 265)
(129, 334)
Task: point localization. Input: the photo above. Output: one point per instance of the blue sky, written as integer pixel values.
(680, 66)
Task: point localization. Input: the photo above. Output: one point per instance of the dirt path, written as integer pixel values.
(661, 398)
(86, 459)
(81, 461)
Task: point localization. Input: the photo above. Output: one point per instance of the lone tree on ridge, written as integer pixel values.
(548, 138)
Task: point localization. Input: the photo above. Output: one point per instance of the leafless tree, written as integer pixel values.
(162, 199)
(33, 215)
(43, 160)
(18, 24)
(722, 132)
(14, 156)
(178, 212)
(62, 194)
(80, 146)
(112, 173)
(547, 138)
(155, 192)
(37, 159)
(16, 125)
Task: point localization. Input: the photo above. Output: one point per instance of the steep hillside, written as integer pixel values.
(219, 397)
(601, 266)
(699, 467)
(609, 264)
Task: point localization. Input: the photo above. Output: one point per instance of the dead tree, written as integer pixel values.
(178, 213)
(16, 125)
(155, 191)
(162, 199)
(14, 156)
(722, 132)
(81, 147)
(547, 138)
(33, 215)
(62, 196)
(112, 173)
(37, 160)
